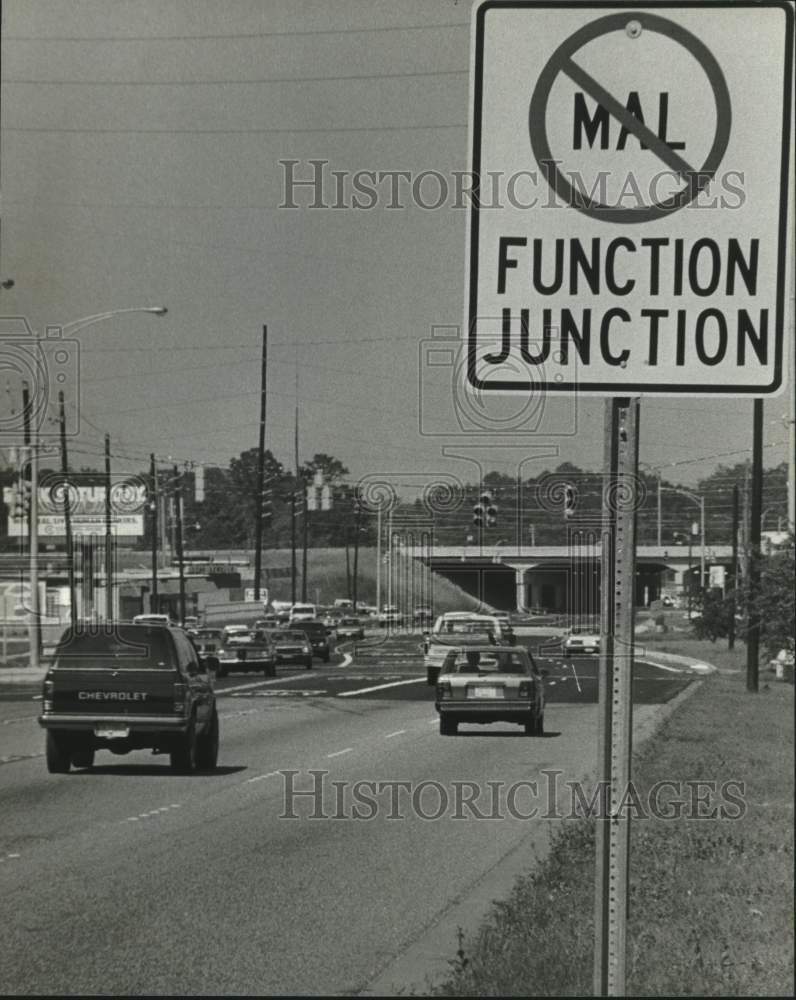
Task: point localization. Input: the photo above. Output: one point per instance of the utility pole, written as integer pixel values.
(108, 533)
(305, 538)
(347, 565)
(31, 477)
(153, 508)
(299, 482)
(293, 547)
(660, 518)
(753, 631)
(258, 515)
(70, 548)
(733, 570)
(378, 557)
(180, 563)
(357, 522)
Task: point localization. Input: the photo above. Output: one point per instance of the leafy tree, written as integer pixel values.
(775, 603)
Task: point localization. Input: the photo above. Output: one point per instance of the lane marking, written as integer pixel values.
(398, 732)
(339, 753)
(19, 718)
(380, 687)
(257, 684)
(262, 777)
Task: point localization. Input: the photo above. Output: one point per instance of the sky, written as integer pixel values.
(143, 163)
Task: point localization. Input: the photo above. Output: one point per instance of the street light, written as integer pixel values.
(682, 534)
(657, 473)
(700, 502)
(34, 627)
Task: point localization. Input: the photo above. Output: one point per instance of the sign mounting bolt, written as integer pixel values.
(633, 29)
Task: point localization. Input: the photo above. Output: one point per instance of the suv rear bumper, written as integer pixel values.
(136, 723)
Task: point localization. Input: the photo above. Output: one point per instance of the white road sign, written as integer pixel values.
(629, 230)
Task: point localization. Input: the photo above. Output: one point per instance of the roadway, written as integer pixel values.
(129, 879)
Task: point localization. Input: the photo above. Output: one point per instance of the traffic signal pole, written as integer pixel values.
(70, 548)
(258, 502)
(153, 507)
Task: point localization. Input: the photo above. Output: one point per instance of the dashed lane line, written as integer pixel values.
(380, 687)
(339, 753)
(398, 732)
(258, 684)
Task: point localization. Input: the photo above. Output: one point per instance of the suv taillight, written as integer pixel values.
(444, 689)
(47, 695)
(525, 689)
(179, 697)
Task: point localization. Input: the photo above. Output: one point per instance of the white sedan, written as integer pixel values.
(581, 639)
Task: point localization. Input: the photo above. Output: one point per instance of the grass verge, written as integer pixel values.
(711, 900)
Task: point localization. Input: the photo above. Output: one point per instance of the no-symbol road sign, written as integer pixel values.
(629, 233)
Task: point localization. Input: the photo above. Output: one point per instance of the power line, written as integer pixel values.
(235, 131)
(347, 77)
(236, 35)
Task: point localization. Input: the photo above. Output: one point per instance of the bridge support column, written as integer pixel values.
(521, 589)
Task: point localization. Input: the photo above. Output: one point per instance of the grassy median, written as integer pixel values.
(711, 901)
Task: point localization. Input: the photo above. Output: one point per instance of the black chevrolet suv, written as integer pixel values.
(321, 638)
(121, 686)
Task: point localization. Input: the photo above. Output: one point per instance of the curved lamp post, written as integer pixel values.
(35, 629)
(700, 502)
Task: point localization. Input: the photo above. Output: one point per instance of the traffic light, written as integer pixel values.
(569, 500)
(485, 511)
(491, 511)
(479, 514)
(22, 500)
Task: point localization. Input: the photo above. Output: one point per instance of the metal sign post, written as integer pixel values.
(614, 739)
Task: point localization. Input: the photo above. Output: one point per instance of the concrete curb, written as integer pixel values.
(675, 660)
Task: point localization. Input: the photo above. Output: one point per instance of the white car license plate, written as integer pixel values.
(484, 692)
(112, 732)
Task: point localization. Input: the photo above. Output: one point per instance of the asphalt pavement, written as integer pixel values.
(130, 879)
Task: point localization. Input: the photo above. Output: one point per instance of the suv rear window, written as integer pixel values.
(126, 647)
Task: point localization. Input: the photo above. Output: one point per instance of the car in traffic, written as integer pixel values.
(245, 652)
(303, 613)
(152, 620)
(390, 615)
(350, 628)
(321, 638)
(464, 628)
(292, 646)
(485, 684)
(208, 641)
(581, 639)
(269, 622)
(235, 630)
(124, 687)
(422, 616)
